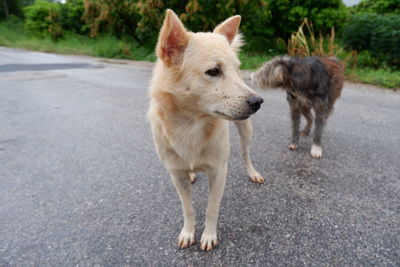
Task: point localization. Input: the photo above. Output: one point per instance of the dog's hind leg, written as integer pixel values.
(321, 115)
(306, 111)
(245, 130)
(295, 114)
(184, 188)
(216, 185)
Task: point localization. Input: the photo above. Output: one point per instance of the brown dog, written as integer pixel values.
(310, 82)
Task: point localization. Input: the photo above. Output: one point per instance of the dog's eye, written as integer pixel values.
(214, 72)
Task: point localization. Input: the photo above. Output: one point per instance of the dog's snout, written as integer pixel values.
(255, 102)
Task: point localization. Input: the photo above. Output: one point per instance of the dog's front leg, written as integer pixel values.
(321, 115)
(295, 116)
(184, 188)
(216, 184)
(245, 130)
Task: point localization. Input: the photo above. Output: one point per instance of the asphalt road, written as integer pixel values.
(80, 183)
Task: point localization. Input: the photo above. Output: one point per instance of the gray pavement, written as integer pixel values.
(80, 183)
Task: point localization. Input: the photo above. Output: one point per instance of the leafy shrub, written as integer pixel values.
(364, 59)
(287, 15)
(117, 17)
(47, 18)
(203, 15)
(378, 34)
(71, 16)
(256, 26)
(377, 6)
(151, 14)
(262, 20)
(43, 18)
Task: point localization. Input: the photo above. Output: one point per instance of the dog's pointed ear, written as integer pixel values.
(172, 40)
(229, 28)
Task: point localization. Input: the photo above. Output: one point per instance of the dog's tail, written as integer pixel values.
(272, 74)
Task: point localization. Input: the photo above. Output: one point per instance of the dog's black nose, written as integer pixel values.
(255, 102)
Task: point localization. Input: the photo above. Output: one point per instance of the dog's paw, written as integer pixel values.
(293, 146)
(192, 177)
(256, 178)
(186, 238)
(316, 151)
(208, 241)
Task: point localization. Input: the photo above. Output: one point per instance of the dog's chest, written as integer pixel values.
(196, 145)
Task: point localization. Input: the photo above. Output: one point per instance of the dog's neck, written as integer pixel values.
(188, 132)
(179, 114)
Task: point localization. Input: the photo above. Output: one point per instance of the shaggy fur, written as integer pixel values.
(195, 90)
(310, 82)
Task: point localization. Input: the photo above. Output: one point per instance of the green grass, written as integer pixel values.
(103, 46)
(108, 46)
(380, 77)
(252, 61)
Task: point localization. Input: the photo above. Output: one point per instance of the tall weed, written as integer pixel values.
(304, 43)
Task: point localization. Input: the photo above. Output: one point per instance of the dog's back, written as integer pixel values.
(309, 76)
(312, 76)
(316, 77)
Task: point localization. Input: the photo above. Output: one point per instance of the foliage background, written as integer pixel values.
(263, 21)
(367, 35)
(377, 34)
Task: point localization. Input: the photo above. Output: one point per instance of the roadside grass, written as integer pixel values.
(252, 61)
(108, 46)
(103, 46)
(380, 77)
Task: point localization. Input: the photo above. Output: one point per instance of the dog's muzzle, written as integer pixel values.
(255, 102)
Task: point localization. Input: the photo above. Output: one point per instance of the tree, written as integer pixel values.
(10, 7)
(27, 2)
(377, 6)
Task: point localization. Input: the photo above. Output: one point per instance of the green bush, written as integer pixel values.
(43, 18)
(200, 15)
(151, 15)
(71, 16)
(204, 15)
(377, 6)
(116, 17)
(287, 15)
(262, 20)
(365, 59)
(378, 34)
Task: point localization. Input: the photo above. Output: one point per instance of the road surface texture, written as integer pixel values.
(80, 183)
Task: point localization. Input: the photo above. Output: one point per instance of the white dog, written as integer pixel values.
(195, 90)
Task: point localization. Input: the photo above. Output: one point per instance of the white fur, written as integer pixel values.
(316, 151)
(237, 42)
(189, 110)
